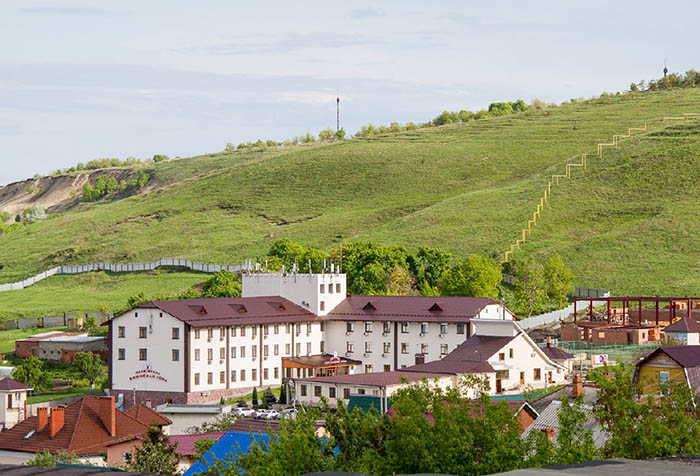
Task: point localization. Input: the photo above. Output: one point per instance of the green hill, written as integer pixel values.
(629, 222)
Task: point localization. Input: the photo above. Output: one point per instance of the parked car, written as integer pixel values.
(244, 412)
(260, 414)
(273, 415)
(289, 413)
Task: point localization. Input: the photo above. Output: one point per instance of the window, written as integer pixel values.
(176, 355)
(322, 288)
(121, 332)
(196, 379)
(233, 331)
(368, 347)
(368, 368)
(663, 377)
(266, 374)
(265, 351)
(233, 376)
(323, 326)
(254, 331)
(297, 330)
(331, 392)
(443, 349)
(210, 378)
(323, 347)
(277, 372)
(330, 288)
(501, 356)
(349, 327)
(277, 329)
(423, 327)
(222, 353)
(176, 333)
(537, 374)
(502, 374)
(443, 328)
(222, 333)
(308, 328)
(196, 333)
(242, 375)
(142, 332)
(276, 349)
(424, 348)
(287, 349)
(303, 390)
(308, 348)
(287, 328)
(460, 328)
(222, 377)
(136, 314)
(322, 306)
(387, 328)
(386, 347)
(266, 330)
(143, 354)
(242, 353)
(404, 348)
(210, 333)
(337, 287)
(254, 351)
(233, 352)
(361, 391)
(404, 327)
(346, 393)
(121, 354)
(510, 353)
(317, 390)
(210, 355)
(368, 327)
(349, 347)
(242, 335)
(298, 349)
(254, 374)
(196, 354)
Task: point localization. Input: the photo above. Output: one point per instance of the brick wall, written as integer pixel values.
(23, 349)
(158, 398)
(571, 332)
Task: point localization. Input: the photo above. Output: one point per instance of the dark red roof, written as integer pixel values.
(452, 367)
(478, 348)
(322, 360)
(208, 312)
(83, 432)
(147, 415)
(375, 379)
(685, 355)
(184, 444)
(555, 353)
(11, 385)
(683, 325)
(409, 308)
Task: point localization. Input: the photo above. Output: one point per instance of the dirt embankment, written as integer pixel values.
(55, 194)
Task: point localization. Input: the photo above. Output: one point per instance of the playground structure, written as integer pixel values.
(526, 232)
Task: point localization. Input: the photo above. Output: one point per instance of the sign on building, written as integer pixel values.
(600, 359)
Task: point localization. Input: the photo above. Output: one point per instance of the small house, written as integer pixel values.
(684, 331)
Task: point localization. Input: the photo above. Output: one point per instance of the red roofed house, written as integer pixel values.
(559, 356)
(685, 331)
(89, 427)
(13, 402)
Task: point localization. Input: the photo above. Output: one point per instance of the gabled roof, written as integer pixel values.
(452, 367)
(206, 312)
(478, 348)
(555, 353)
(375, 379)
(683, 325)
(549, 418)
(147, 415)
(684, 355)
(9, 385)
(409, 308)
(82, 433)
(184, 444)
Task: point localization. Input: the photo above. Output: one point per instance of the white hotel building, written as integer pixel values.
(296, 326)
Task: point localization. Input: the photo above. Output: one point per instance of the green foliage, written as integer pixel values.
(427, 266)
(559, 280)
(155, 456)
(368, 265)
(575, 442)
(34, 214)
(222, 422)
(254, 400)
(283, 393)
(400, 282)
(222, 284)
(4, 216)
(530, 286)
(90, 366)
(32, 373)
(201, 446)
(46, 459)
(104, 185)
(474, 276)
(159, 158)
(340, 134)
(268, 397)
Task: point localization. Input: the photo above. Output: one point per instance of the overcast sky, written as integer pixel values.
(86, 79)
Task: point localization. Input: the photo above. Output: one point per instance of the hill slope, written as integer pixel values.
(628, 223)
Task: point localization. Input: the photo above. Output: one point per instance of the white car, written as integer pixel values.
(260, 414)
(273, 415)
(289, 413)
(245, 412)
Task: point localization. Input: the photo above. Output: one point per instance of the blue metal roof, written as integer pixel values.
(225, 447)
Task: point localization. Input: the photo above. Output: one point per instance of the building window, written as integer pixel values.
(210, 355)
(502, 374)
(196, 379)
(277, 372)
(243, 375)
(510, 353)
(404, 348)
(322, 305)
(404, 327)
(330, 288)
(254, 374)
(210, 378)
(331, 392)
(287, 349)
(323, 326)
(537, 374)
(266, 374)
(233, 376)
(254, 331)
(265, 351)
(460, 328)
(308, 328)
(501, 356)
(308, 348)
(242, 354)
(266, 330)
(443, 328)
(222, 333)
(346, 393)
(387, 328)
(176, 333)
(242, 335)
(142, 332)
(287, 328)
(121, 354)
(303, 390)
(233, 352)
(423, 327)
(222, 353)
(136, 314)
(143, 354)
(322, 288)
(254, 351)
(196, 354)
(298, 349)
(233, 331)
(277, 329)
(222, 377)
(368, 347)
(349, 326)
(387, 347)
(121, 332)
(443, 349)
(176, 355)
(297, 329)
(663, 377)
(317, 390)
(196, 333)
(424, 348)
(322, 350)
(368, 368)
(368, 326)
(276, 349)
(349, 347)
(361, 391)
(210, 333)
(337, 287)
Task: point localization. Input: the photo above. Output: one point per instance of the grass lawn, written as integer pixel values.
(249, 397)
(8, 338)
(48, 397)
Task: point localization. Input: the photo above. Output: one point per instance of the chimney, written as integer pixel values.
(550, 433)
(577, 386)
(42, 418)
(56, 422)
(108, 414)
(549, 341)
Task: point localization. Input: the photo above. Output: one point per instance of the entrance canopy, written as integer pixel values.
(320, 365)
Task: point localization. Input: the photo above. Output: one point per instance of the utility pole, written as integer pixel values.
(337, 114)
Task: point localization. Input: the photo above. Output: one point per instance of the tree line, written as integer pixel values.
(106, 185)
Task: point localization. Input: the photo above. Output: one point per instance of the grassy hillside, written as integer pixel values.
(628, 223)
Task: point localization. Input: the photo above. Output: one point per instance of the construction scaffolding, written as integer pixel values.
(673, 309)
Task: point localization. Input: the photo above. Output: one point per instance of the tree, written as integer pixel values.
(201, 446)
(89, 324)
(230, 147)
(90, 366)
(559, 279)
(222, 284)
(400, 282)
(530, 283)
(47, 459)
(155, 456)
(368, 265)
(575, 441)
(340, 134)
(31, 373)
(34, 214)
(474, 276)
(159, 158)
(269, 397)
(255, 396)
(326, 135)
(428, 265)
(283, 393)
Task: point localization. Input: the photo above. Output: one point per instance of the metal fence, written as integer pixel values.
(627, 353)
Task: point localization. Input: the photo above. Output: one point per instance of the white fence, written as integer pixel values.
(555, 316)
(122, 268)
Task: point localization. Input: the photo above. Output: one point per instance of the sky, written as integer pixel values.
(83, 79)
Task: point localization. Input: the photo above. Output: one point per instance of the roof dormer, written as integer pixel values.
(369, 307)
(240, 308)
(435, 307)
(198, 309)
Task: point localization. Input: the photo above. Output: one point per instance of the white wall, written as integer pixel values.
(302, 289)
(158, 342)
(9, 417)
(494, 327)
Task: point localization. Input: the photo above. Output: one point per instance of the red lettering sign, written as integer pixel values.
(148, 373)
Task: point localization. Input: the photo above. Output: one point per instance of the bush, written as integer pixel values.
(159, 158)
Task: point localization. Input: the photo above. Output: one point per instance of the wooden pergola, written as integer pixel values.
(323, 365)
(629, 301)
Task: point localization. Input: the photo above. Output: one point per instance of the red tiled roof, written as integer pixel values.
(10, 384)
(184, 444)
(375, 379)
(683, 325)
(82, 433)
(207, 312)
(147, 415)
(321, 360)
(478, 348)
(452, 367)
(555, 353)
(409, 308)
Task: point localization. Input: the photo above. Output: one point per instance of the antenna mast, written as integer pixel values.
(337, 114)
